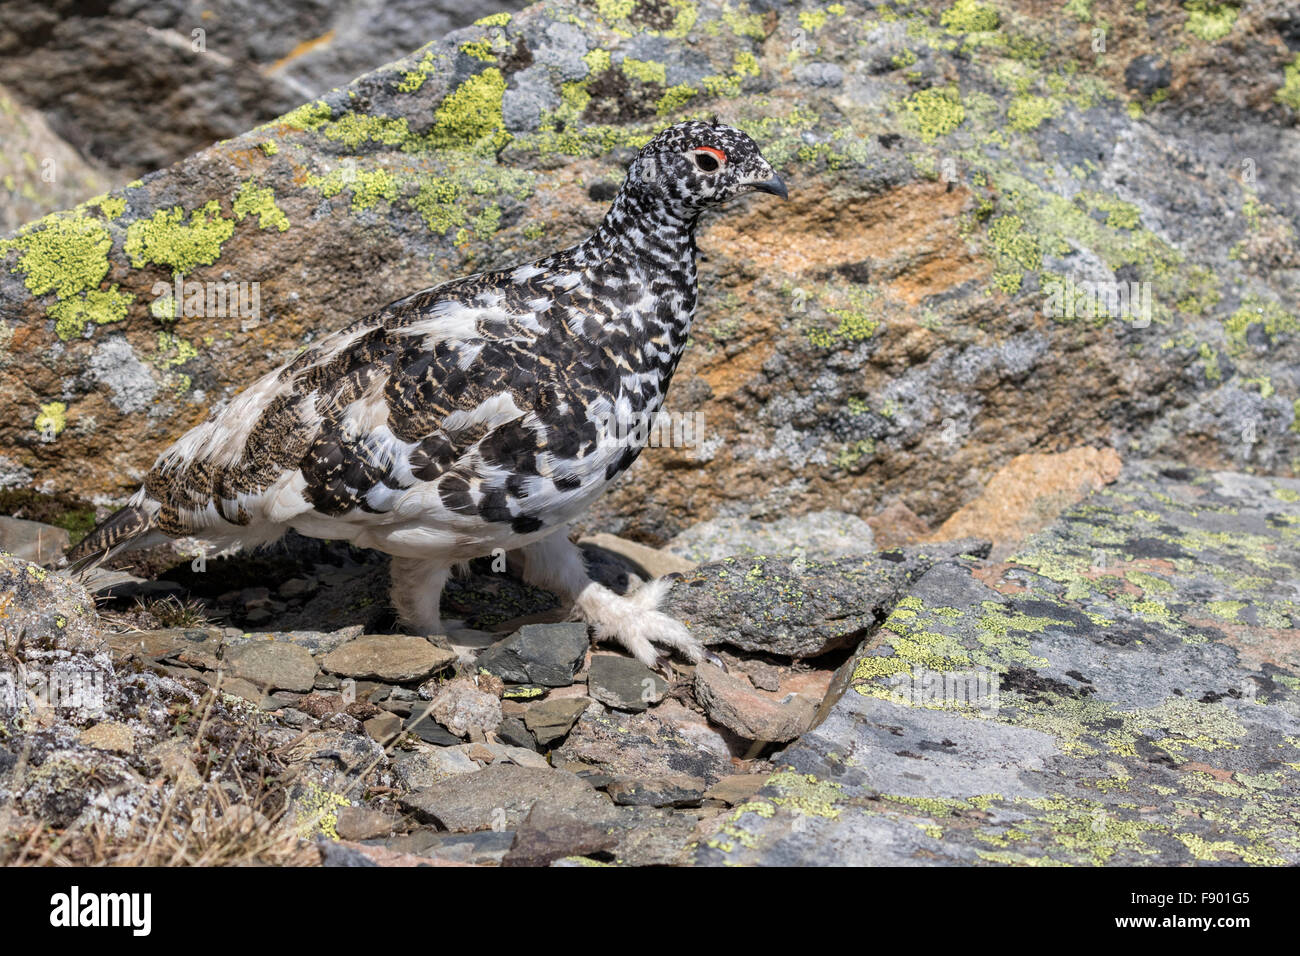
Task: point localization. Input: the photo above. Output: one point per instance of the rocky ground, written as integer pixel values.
(1123, 688)
(127, 88)
(882, 341)
(994, 582)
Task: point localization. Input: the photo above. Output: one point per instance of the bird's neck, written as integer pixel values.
(645, 251)
(642, 232)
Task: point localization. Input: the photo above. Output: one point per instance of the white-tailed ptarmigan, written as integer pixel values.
(474, 415)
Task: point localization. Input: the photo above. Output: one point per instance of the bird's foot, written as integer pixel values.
(634, 622)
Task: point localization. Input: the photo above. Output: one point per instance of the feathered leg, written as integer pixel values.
(417, 589)
(632, 620)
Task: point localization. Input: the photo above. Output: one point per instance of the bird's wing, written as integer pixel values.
(468, 403)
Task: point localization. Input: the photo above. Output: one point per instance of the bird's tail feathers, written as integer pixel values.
(126, 528)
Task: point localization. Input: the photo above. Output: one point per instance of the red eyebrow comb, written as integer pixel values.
(717, 153)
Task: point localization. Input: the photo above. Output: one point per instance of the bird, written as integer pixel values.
(474, 415)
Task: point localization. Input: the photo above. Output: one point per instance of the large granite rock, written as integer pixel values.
(793, 607)
(39, 171)
(140, 85)
(1124, 690)
(887, 336)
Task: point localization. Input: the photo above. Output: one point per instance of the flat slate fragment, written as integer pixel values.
(398, 658)
(499, 794)
(624, 683)
(1125, 690)
(546, 654)
(778, 604)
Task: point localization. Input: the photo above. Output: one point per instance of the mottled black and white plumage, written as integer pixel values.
(474, 415)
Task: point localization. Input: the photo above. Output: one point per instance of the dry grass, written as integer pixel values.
(203, 830)
(151, 615)
(234, 819)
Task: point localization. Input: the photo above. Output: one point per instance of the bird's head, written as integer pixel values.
(695, 164)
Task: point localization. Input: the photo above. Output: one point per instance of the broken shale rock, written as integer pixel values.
(791, 607)
(546, 654)
(397, 658)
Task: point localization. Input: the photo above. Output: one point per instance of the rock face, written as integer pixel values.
(1123, 690)
(1027, 493)
(39, 171)
(797, 608)
(922, 310)
(140, 86)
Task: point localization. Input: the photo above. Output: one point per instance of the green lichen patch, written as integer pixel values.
(666, 18)
(1027, 113)
(62, 254)
(179, 240)
(1210, 20)
(367, 186)
(51, 420)
(1289, 93)
(674, 98)
(355, 129)
(72, 317)
(259, 201)
(969, 16)
(1016, 249)
(933, 113)
(470, 116)
(1268, 315)
(413, 80)
(67, 255)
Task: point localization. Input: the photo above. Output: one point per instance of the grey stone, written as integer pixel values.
(425, 767)
(464, 709)
(546, 654)
(800, 608)
(733, 702)
(273, 664)
(399, 658)
(32, 540)
(363, 823)
(550, 720)
(661, 742)
(674, 791)
(737, 788)
(514, 731)
(501, 794)
(384, 727)
(477, 848)
(550, 832)
(335, 854)
(424, 725)
(624, 683)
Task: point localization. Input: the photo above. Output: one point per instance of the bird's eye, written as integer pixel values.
(707, 159)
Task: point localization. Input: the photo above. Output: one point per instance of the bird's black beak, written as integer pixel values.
(775, 186)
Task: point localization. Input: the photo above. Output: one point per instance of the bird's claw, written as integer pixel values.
(715, 660)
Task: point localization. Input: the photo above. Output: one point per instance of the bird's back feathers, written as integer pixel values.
(465, 415)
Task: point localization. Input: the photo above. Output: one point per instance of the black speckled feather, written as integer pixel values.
(472, 415)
